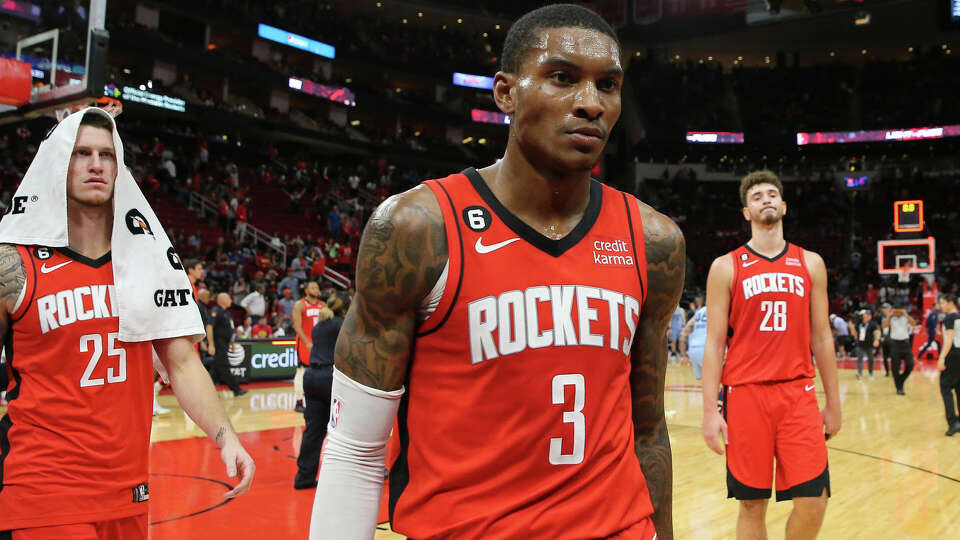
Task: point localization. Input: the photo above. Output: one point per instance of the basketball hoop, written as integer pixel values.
(112, 106)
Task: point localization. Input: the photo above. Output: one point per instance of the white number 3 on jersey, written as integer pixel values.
(574, 417)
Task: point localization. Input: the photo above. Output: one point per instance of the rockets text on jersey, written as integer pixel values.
(769, 317)
(74, 442)
(517, 422)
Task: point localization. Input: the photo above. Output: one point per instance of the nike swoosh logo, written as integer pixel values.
(808, 388)
(492, 247)
(46, 270)
(746, 264)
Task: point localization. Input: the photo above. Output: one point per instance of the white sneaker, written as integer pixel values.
(158, 410)
(871, 376)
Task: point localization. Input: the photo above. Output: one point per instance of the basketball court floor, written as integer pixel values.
(894, 473)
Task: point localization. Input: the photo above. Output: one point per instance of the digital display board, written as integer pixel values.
(23, 10)
(908, 216)
(145, 97)
(955, 11)
(489, 117)
(880, 135)
(296, 41)
(333, 93)
(473, 81)
(856, 182)
(714, 137)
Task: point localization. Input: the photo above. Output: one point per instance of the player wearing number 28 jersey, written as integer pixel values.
(767, 301)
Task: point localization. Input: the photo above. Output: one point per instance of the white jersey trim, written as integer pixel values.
(430, 302)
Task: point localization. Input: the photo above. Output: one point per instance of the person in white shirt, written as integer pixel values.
(255, 304)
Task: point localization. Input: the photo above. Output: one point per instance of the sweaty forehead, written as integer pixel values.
(761, 188)
(575, 42)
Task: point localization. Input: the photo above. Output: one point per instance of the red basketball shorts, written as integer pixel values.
(130, 528)
(775, 421)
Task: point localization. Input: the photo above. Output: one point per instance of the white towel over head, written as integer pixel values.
(148, 276)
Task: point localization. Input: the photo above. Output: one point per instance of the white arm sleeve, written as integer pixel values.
(347, 501)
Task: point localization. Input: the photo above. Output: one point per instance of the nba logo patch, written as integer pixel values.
(335, 411)
(744, 256)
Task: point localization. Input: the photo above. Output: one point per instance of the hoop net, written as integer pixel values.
(903, 274)
(113, 107)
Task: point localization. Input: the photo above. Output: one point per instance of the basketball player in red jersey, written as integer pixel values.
(772, 295)
(74, 442)
(523, 309)
(305, 314)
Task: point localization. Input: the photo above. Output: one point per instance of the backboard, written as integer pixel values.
(65, 44)
(919, 255)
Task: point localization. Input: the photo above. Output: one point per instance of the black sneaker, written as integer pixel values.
(239, 392)
(299, 407)
(900, 392)
(955, 428)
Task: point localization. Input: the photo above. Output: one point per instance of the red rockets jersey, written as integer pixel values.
(311, 312)
(517, 420)
(770, 318)
(75, 441)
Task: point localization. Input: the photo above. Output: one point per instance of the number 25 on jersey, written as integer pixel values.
(93, 343)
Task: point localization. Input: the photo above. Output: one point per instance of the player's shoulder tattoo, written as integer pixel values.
(402, 254)
(403, 249)
(666, 260)
(12, 274)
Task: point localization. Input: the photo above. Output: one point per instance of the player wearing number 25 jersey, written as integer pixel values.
(767, 301)
(58, 462)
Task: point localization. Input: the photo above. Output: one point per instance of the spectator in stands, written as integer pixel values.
(299, 266)
(285, 303)
(255, 303)
(261, 329)
(289, 282)
(241, 214)
(319, 265)
(333, 222)
(245, 330)
(240, 289)
(282, 326)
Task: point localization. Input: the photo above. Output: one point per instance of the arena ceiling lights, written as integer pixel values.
(881, 135)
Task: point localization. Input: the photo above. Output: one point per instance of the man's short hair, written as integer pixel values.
(949, 297)
(522, 34)
(94, 119)
(758, 177)
(191, 262)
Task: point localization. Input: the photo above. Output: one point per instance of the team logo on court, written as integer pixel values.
(137, 223)
(477, 218)
(43, 253)
(174, 259)
(335, 411)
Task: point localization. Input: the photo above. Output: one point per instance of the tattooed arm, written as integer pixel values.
(12, 278)
(402, 254)
(666, 258)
